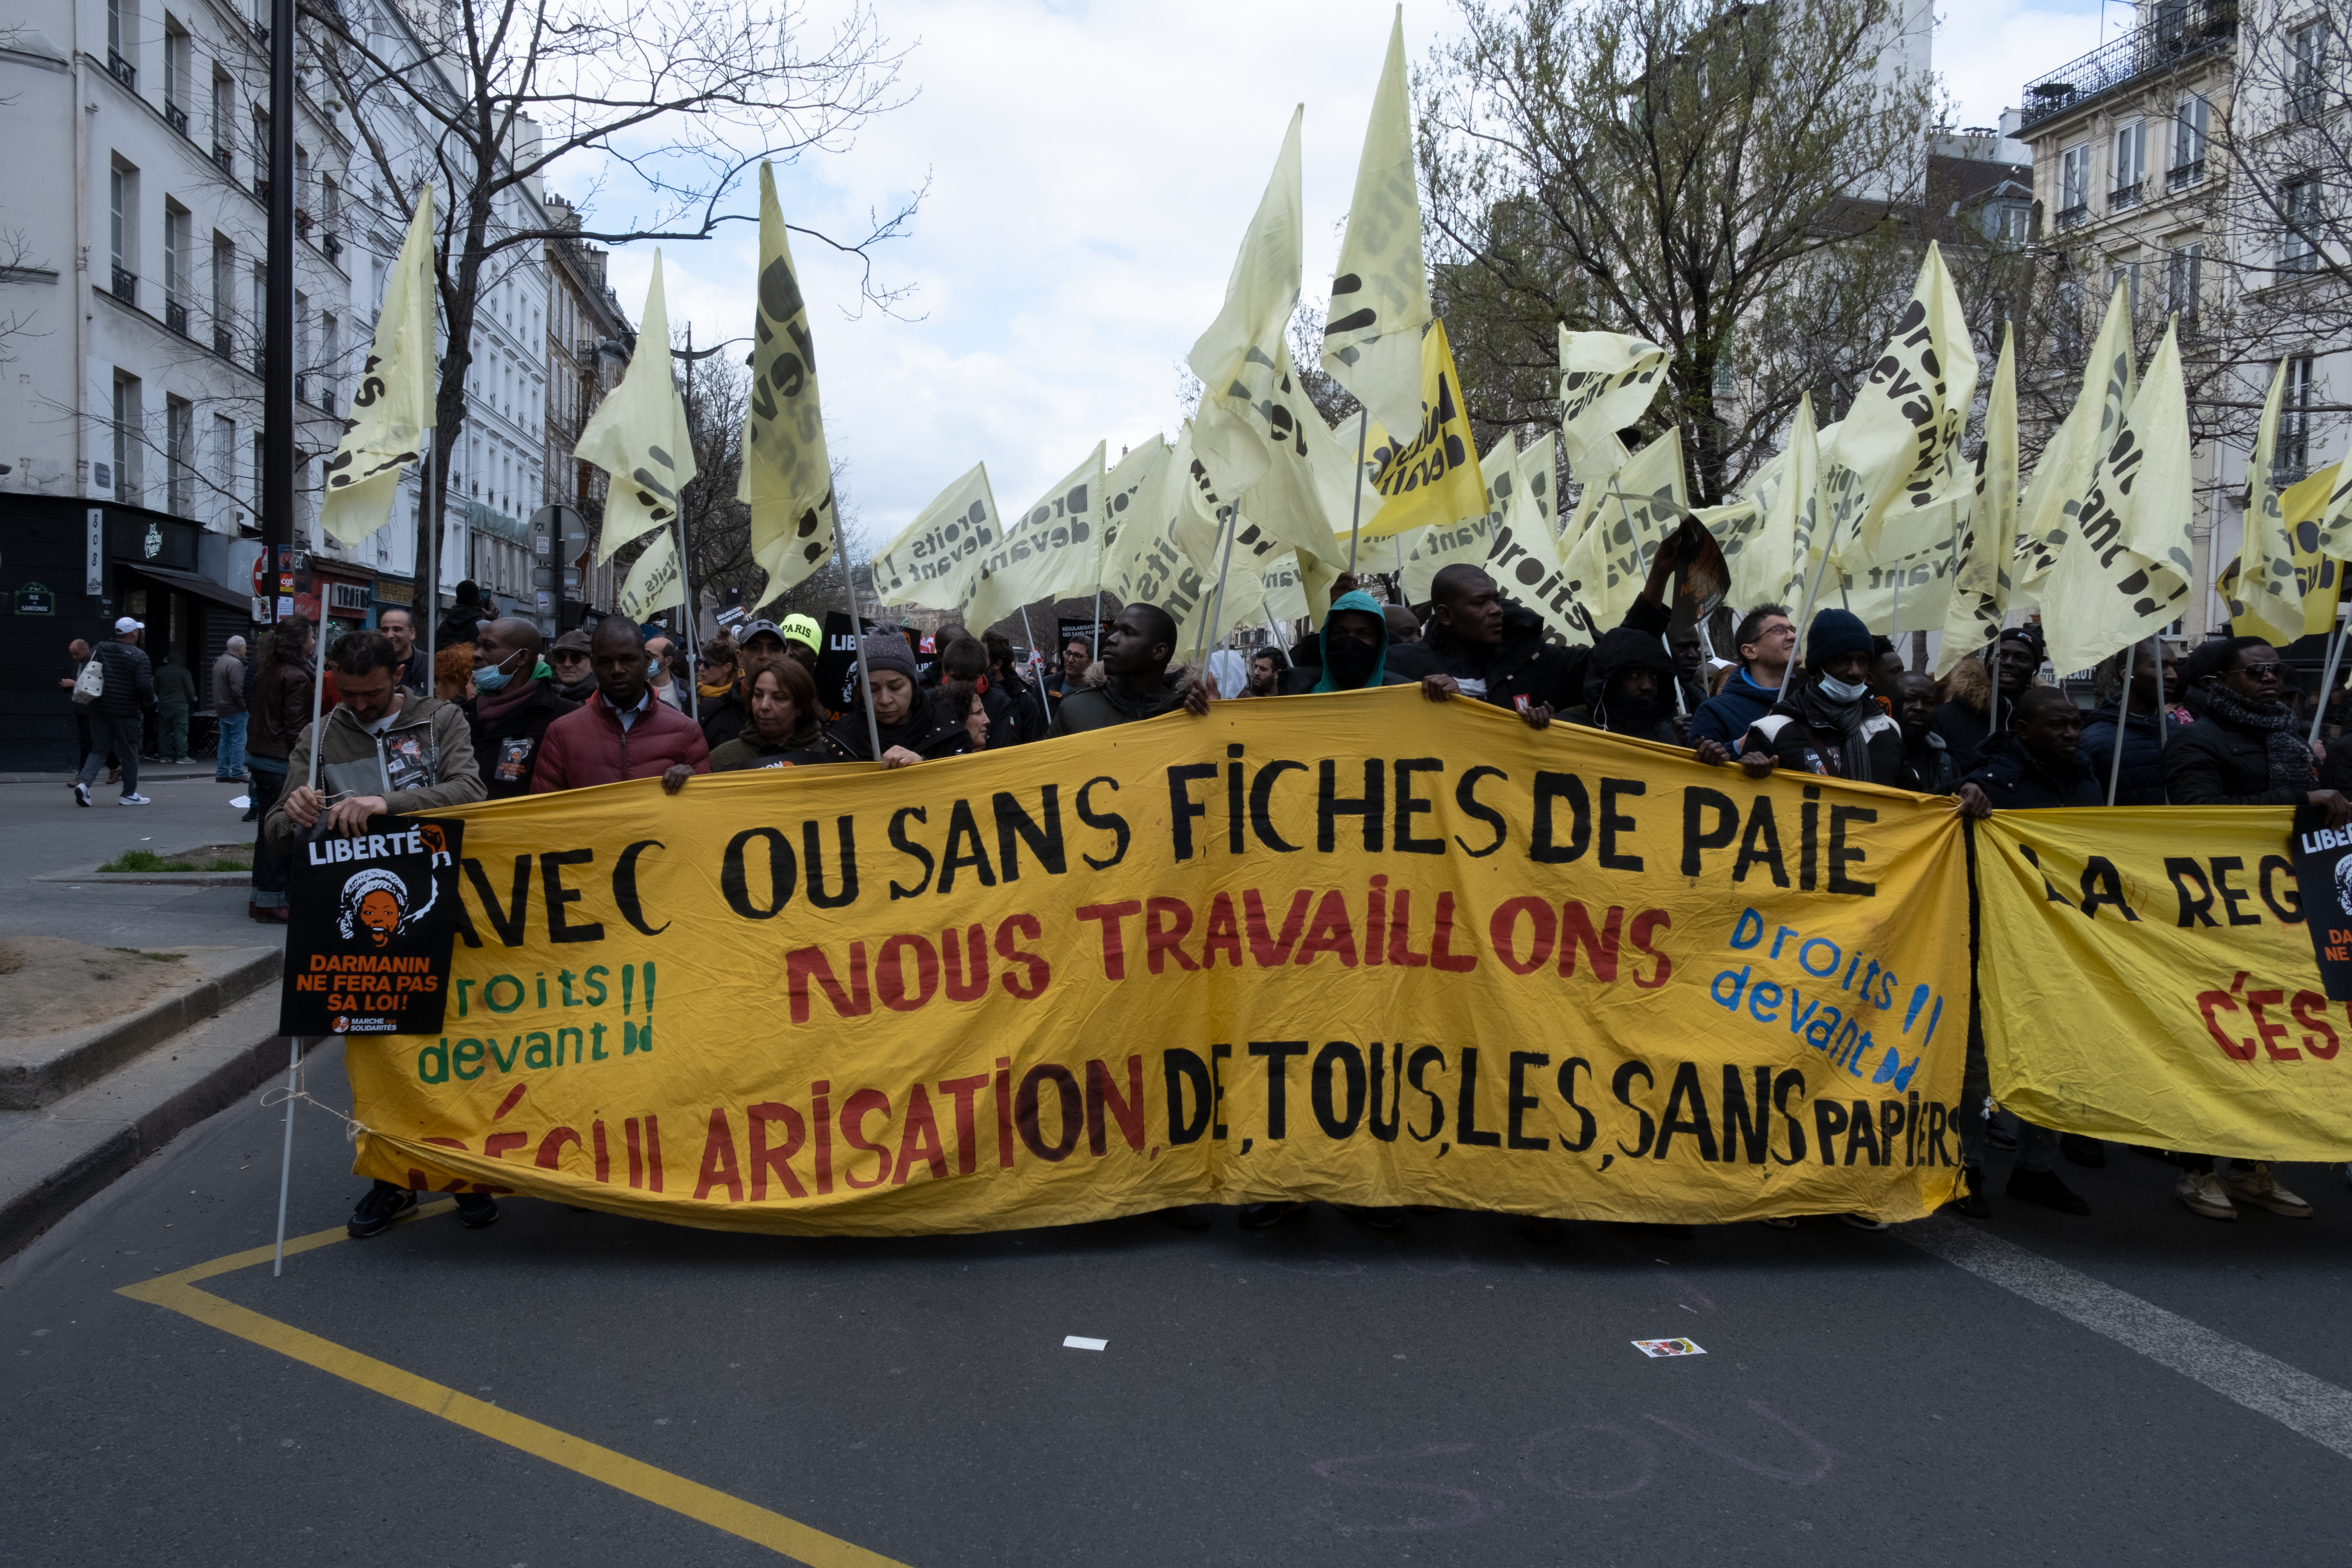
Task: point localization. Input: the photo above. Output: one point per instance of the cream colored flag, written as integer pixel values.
(653, 582)
(391, 411)
(1052, 550)
(1762, 544)
(638, 435)
(1639, 508)
(1236, 358)
(934, 558)
(1523, 555)
(1380, 295)
(2268, 587)
(1130, 505)
(1607, 382)
(1148, 558)
(1282, 591)
(2126, 573)
(787, 479)
(1893, 451)
(1980, 587)
(2061, 478)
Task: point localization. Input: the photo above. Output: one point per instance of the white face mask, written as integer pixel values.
(1843, 690)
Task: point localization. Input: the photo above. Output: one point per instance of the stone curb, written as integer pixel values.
(82, 1057)
(86, 1142)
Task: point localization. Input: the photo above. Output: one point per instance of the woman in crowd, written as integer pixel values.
(720, 695)
(963, 702)
(911, 728)
(783, 730)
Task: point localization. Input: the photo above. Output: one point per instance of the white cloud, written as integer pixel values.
(1989, 49)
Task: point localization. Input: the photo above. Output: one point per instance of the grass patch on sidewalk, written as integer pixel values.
(147, 861)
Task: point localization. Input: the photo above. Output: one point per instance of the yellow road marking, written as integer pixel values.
(178, 1292)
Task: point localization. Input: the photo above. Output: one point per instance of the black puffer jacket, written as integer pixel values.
(1523, 664)
(1626, 648)
(2142, 782)
(923, 733)
(129, 680)
(2014, 779)
(2214, 764)
(506, 743)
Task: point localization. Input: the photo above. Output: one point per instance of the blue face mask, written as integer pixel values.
(490, 678)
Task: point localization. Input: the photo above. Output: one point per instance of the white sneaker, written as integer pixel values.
(134, 800)
(2253, 1183)
(2201, 1191)
(81, 797)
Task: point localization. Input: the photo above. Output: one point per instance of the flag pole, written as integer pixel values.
(430, 578)
(2122, 717)
(1031, 632)
(1224, 565)
(857, 633)
(1356, 520)
(286, 1162)
(2327, 681)
(686, 594)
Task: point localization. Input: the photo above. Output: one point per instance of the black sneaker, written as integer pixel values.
(384, 1204)
(1971, 1200)
(2043, 1187)
(1377, 1218)
(2088, 1152)
(1258, 1217)
(477, 1211)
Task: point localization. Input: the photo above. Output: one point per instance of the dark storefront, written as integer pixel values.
(53, 550)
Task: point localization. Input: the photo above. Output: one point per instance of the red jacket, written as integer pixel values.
(588, 746)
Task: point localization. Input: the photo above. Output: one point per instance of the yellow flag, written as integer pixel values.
(2335, 519)
(638, 435)
(1432, 478)
(2301, 506)
(652, 583)
(936, 557)
(1237, 357)
(1380, 296)
(1980, 587)
(392, 412)
(1762, 544)
(787, 479)
(1638, 509)
(2267, 585)
(2046, 516)
(1607, 382)
(1893, 450)
(1054, 548)
(2127, 571)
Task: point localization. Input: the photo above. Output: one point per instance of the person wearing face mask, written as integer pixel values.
(909, 726)
(1355, 644)
(513, 703)
(1826, 721)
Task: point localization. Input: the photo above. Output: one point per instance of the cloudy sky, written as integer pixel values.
(1091, 168)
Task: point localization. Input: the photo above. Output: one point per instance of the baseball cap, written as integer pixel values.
(803, 629)
(127, 624)
(750, 629)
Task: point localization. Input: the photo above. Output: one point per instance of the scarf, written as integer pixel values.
(713, 692)
(1803, 698)
(489, 707)
(2290, 759)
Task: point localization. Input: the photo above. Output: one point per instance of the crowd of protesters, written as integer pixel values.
(620, 701)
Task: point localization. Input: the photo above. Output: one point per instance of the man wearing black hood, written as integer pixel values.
(1625, 687)
(1826, 720)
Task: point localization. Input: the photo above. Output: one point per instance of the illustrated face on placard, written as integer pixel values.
(374, 902)
(2343, 884)
(379, 915)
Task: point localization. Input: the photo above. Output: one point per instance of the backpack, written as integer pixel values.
(90, 684)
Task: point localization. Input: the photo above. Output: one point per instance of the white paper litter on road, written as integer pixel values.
(1081, 1343)
(241, 803)
(1656, 1348)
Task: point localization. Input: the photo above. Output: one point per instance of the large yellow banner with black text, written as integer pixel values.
(1365, 948)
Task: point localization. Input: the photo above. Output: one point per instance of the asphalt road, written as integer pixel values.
(1316, 1394)
(42, 830)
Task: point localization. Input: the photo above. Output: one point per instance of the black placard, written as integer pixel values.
(1087, 632)
(371, 921)
(836, 662)
(2323, 872)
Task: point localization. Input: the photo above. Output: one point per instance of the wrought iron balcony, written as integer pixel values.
(2124, 196)
(122, 70)
(226, 159)
(261, 188)
(222, 344)
(177, 116)
(2181, 31)
(332, 246)
(2075, 217)
(126, 285)
(2186, 174)
(175, 316)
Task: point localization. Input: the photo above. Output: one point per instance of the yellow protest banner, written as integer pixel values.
(1302, 946)
(2144, 974)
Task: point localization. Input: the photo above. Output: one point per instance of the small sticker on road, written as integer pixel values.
(1081, 1343)
(1655, 1348)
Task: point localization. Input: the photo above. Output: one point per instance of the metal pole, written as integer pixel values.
(1806, 613)
(1356, 520)
(1031, 632)
(2327, 681)
(277, 367)
(1274, 632)
(857, 632)
(2123, 718)
(1057, 652)
(687, 611)
(285, 1163)
(1895, 612)
(429, 579)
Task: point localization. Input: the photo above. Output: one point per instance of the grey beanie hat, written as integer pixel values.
(891, 653)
